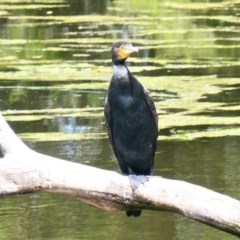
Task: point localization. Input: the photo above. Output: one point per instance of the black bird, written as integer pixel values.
(131, 120)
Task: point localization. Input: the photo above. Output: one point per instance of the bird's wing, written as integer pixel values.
(152, 107)
(108, 119)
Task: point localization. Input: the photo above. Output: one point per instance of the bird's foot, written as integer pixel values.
(134, 213)
(137, 180)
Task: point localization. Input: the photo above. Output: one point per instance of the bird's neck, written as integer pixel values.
(122, 79)
(121, 71)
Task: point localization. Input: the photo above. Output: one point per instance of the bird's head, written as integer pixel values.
(121, 51)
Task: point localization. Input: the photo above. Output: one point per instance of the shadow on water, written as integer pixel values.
(203, 71)
(228, 96)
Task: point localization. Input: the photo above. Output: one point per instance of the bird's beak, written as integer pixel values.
(132, 49)
(127, 51)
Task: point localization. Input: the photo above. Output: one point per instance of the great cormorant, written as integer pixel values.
(131, 120)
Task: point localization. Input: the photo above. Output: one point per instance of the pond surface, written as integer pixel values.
(54, 71)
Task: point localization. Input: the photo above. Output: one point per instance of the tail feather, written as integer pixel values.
(137, 180)
(135, 213)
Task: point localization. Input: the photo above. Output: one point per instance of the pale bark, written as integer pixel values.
(24, 170)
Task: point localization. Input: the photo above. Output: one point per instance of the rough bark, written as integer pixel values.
(24, 170)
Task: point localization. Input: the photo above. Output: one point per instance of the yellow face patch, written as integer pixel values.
(123, 52)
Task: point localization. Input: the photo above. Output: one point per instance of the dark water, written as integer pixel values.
(55, 56)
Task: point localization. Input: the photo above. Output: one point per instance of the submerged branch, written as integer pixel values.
(24, 170)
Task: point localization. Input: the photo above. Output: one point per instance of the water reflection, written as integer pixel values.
(72, 215)
(83, 7)
(54, 72)
(48, 215)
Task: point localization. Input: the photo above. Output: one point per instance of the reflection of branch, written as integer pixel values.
(24, 170)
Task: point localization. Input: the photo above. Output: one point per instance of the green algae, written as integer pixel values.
(174, 76)
(58, 136)
(201, 5)
(35, 114)
(55, 65)
(189, 90)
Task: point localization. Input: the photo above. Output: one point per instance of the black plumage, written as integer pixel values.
(131, 120)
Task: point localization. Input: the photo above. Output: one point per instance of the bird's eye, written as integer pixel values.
(121, 47)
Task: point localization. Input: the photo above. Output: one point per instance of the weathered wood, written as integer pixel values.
(24, 170)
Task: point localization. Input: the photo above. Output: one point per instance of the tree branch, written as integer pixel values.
(24, 170)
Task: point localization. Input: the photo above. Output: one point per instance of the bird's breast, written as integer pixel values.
(126, 101)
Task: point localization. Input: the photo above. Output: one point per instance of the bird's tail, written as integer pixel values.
(135, 213)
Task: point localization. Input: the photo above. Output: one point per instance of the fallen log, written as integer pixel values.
(24, 170)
